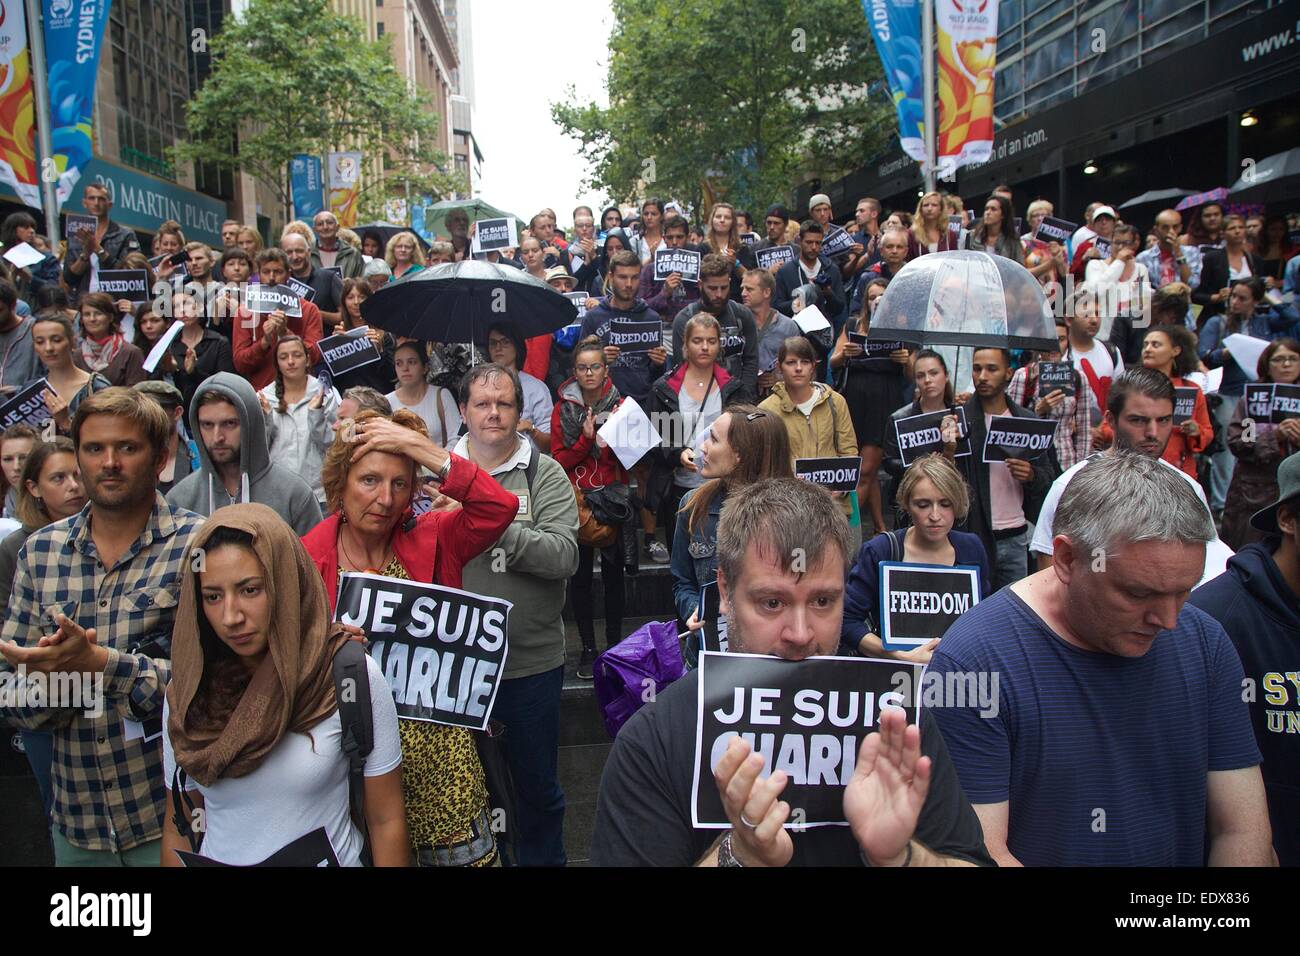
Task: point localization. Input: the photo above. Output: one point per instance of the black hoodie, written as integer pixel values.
(1261, 614)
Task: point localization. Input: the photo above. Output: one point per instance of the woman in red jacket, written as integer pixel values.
(1172, 349)
(369, 478)
(585, 401)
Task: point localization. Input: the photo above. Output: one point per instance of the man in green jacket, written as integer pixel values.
(529, 565)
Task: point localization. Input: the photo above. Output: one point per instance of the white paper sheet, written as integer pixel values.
(1209, 383)
(161, 346)
(629, 433)
(24, 255)
(1245, 351)
(810, 319)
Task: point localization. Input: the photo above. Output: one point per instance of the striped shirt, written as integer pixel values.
(1074, 433)
(108, 790)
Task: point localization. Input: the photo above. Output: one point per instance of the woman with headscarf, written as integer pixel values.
(616, 241)
(251, 727)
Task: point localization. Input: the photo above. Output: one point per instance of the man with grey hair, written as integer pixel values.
(783, 548)
(529, 566)
(330, 252)
(1121, 737)
(327, 287)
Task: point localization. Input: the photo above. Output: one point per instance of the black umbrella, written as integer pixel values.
(1272, 179)
(459, 301)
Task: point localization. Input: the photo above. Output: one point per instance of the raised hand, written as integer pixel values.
(758, 835)
(890, 782)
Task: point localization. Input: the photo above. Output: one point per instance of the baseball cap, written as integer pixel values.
(779, 211)
(1288, 488)
(1103, 211)
(817, 200)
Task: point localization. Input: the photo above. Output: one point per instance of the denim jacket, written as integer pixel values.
(695, 555)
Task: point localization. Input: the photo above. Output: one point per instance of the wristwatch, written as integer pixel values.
(1181, 260)
(725, 856)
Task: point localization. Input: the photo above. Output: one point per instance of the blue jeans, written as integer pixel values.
(1013, 560)
(38, 746)
(530, 709)
(1222, 464)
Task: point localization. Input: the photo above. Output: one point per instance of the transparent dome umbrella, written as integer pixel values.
(965, 298)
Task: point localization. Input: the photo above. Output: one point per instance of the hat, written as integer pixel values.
(1288, 487)
(376, 267)
(558, 272)
(162, 391)
(780, 212)
(817, 200)
(1103, 211)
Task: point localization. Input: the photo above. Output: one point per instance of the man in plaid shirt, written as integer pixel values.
(93, 603)
(1074, 433)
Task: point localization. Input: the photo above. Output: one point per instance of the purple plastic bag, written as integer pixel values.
(650, 652)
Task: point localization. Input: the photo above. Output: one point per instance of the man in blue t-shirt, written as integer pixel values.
(1119, 735)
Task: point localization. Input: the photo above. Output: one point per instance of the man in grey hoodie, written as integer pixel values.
(234, 464)
(18, 364)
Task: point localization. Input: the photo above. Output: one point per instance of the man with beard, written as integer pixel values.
(903, 804)
(738, 345)
(1140, 411)
(668, 296)
(93, 603)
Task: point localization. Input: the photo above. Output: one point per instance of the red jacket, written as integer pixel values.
(258, 364)
(584, 471)
(538, 363)
(432, 547)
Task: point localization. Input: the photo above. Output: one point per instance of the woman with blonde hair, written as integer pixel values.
(250, 240)
(935, 497)
(723, 237)
(404, 255)
(930, 225)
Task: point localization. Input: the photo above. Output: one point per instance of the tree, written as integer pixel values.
(300, 78)
(748, 94)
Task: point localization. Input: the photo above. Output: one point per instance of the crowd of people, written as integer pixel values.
(481, 467)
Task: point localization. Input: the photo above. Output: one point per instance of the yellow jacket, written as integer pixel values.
(826, 433)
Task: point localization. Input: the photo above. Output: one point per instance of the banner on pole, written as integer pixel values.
(72, 39)
(896, 30)
(967, 31)
(345, 181)
(306, 186)
(17, 115)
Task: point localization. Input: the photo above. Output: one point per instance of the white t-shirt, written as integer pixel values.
(1216, 552)
(301, 786)
(428, 410)
(1102, 365)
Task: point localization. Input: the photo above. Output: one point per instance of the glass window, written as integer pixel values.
(1007, 81)
(1185, 27)
(1009, 42)
(1046, 15)
(1010, 12)
(1049, 59)
(1155, 10)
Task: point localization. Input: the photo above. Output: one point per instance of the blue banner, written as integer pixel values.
(73, 31)
(896, 30)
(306, 186)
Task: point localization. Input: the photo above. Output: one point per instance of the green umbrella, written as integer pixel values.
(435, 214)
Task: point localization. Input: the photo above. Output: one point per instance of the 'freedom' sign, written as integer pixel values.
(919, 602)
(920, 435)
(1023, 438)
(351, 350)
(1052, 229)
(129, 284)
(1286, 402)
(442, 650)
(806, 718)
(264, 299)
(685, 262)
(636, 336)
(834, 474)
(1184, 403)
(774, 255)
(27, 407)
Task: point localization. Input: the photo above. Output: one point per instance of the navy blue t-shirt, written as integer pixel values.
(1103, 758)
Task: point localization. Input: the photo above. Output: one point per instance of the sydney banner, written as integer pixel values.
(306, 186)
(896, 30)
(967, 31)
(17, 130)
(73, 31)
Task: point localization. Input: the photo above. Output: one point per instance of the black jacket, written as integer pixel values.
(213, 355)
(972, 467)
(667, 457)
(831, 299)
(117, 244)
(740, 359)
(1214, 276)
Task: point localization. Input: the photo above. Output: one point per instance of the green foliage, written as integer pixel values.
(300, 78)
(756, 93)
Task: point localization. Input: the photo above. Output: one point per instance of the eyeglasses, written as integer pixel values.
(1284, 360)
(586, 369)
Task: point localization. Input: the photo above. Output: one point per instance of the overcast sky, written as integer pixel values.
(528, 163)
